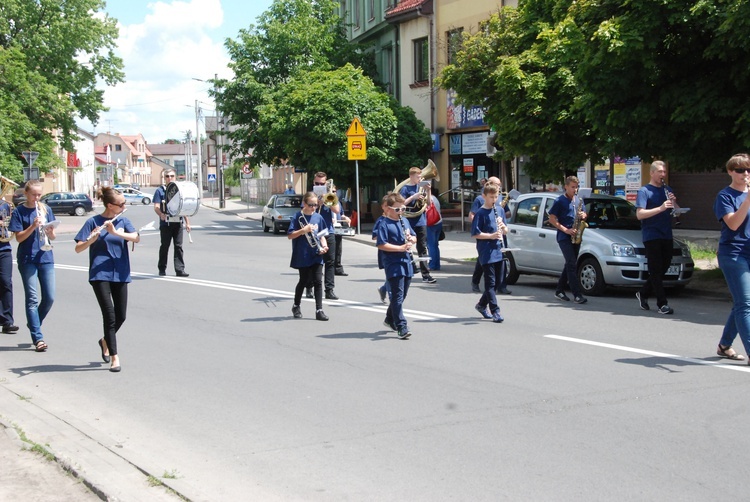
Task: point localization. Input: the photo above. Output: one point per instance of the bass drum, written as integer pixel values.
(183, 198)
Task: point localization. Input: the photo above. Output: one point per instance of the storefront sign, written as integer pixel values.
(474, 143)
(460, 116)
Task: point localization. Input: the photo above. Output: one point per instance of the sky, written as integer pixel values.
(164, 45)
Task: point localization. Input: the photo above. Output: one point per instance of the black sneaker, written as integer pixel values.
(562, 296)
(579, 299)
(428, 279)
(475, 288)
(296, 312)
(320, 315)
(404, 333)
(10, 328)
(642, 303)
(162, 273)
(182, 274)
(330, 295)
(665, 309)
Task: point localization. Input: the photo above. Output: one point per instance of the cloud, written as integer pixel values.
(176, 42)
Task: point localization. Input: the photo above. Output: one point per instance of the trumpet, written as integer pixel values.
(330, 198)
(44, 243)
(99, 230)
(313, 238)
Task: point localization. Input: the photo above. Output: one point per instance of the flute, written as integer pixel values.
(98, 230)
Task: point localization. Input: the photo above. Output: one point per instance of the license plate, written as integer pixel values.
(673, 270)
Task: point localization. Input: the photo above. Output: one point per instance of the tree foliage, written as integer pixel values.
(52, 52)
(299, 83)
(565, 81)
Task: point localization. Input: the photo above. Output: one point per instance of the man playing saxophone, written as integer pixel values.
(562, 215)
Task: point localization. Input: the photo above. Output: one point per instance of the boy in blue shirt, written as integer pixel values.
(488, 229)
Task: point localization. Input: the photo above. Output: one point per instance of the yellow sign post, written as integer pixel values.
(356, 138)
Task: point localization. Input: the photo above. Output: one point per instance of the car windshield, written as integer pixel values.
(290, 201)
(611, 214)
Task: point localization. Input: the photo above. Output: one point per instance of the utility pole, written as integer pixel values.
(198, 143)
(219, 149)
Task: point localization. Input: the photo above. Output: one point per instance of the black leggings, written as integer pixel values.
(113, 300)
(310, 277)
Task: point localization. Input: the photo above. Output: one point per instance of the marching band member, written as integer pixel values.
(36, 265)
(106, 236)
(501, 284)
(6, 275)
(307, 253)
(412, 195)
(488, 229)
(327, 212)
(170, 231)
(395, 238)
(562, 216)
(383, 290)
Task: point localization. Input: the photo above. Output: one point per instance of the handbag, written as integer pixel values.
(433, 215)
(442, 235)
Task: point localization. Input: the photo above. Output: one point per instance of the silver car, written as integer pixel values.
(612, 251)
(279, 212)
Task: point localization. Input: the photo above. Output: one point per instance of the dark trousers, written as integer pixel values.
(6, 288)
(337, 261)
(329, 260)
(113, 301)
(568, 276)
(500, 279)
(169, 233)
(659, 256)
(491, 272)
(310, 277)
(395, 313)
(421, 234)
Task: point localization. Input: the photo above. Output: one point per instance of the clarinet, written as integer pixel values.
(498, 223)
(406, 234)
(666, 194)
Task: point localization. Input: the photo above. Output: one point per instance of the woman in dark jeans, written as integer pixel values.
(106, 237)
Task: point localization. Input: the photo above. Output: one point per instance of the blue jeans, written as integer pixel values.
(736, 271)
(395, 312)
(33, 276)
(433, 248)
(491, 273)
(568, 276)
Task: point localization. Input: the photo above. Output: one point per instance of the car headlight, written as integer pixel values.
(685, 251)
(623, 250)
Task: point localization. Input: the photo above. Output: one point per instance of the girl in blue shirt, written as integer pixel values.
(36, 264)
(307, 258)
(731, 208)
(106, 236)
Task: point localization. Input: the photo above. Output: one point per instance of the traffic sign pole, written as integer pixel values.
(356, 139)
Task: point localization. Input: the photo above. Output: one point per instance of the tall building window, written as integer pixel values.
(421, 60)
(372, 9)
(455, 41)
(356, 13)
(388, 71)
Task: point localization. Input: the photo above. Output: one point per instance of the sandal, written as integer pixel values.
(729, 353)
(41, 346)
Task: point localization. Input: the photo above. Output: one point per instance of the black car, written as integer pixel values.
(68, 202)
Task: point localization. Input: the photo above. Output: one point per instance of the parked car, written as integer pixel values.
(120, 186)
(279, 211)
(612, 251)
(68, 202)
(133, 196)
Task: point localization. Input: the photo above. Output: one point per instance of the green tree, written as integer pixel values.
(291, 36)
(52, 53)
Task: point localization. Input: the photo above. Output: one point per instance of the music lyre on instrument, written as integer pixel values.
(44, 243)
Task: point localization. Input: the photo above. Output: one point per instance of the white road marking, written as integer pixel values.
(413, 314)
(736, 367)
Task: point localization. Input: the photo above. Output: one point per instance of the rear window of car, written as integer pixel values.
(289, 202)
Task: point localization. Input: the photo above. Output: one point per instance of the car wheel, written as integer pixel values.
(513, 273)
(276, 228)
(80, 211)
(263, 224)
(590, 277)
(146, 201)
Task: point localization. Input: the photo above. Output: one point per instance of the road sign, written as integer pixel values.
(246, 169)
(30, 157)
(211, 177)
(356, 139)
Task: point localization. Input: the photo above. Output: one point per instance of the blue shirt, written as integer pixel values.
(395, 263)
(406, 192)
(660, 225)
(732, 242)
(304, 255)
(109, 259)
(485, 221)
(29, 250)
(565, 211)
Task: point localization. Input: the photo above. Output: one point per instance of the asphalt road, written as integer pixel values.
(223, 396)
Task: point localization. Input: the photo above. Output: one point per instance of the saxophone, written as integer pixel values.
(578, 224)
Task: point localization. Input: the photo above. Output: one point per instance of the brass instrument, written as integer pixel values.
(330, 198)
(578, 224)
(428, 173)
(44, 243)
(6, 187)
(505, 201)
(313, 238)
